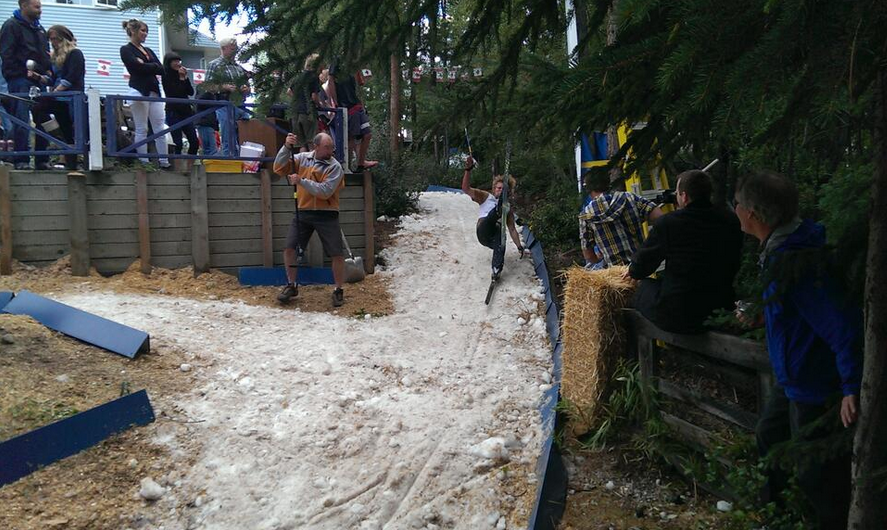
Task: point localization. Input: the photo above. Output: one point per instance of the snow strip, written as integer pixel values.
(412, 420)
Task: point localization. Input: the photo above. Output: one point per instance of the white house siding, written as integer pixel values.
(99, 35)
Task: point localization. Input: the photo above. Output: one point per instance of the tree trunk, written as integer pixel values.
(869, 509)
(394, 109)
(612, 136)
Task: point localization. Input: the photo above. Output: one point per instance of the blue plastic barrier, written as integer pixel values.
(81, 325)
(277, 276)
(24, 454)
(5, 297)
(549, 505)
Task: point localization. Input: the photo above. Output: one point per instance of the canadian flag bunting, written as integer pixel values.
(439, 74)
(417, 74)
(104, 67)
(199, 76)
(366, 73)
(451, 76)
(478, 72)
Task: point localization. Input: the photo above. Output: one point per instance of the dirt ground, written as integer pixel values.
(615, 490)
(369, 296)
(45, 377)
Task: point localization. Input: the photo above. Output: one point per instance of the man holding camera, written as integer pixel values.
(610, 225)
(701, 245)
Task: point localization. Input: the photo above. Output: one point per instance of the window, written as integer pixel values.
(107, 3)
(75, 2)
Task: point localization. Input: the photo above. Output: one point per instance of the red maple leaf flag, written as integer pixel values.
(199, 76)
(104, 67)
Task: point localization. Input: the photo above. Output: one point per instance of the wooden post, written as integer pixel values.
(394, 107)
(144, 221)
(199, 220)
(78, 231)
(369, 218)
(5, 221)
(267, 234)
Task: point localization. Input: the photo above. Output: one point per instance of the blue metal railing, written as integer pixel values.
(210, 106)
(77, 102)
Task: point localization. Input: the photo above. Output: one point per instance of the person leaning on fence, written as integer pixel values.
(230, 82)
(69, 72)
(611, 222)
(207, 125)
(143, 66)
(305, 96)
(319, 179)
(23, 39)
(177, 84)
(342, 89)
(814, 338)
(701, 245)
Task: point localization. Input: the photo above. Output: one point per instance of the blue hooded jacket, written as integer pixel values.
(813, 338)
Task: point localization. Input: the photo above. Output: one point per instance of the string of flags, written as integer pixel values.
(451, 74)
(104, 68)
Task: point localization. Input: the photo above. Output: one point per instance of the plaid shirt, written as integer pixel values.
(612, 221)
(222, 71)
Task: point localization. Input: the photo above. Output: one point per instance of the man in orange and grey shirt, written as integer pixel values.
(319, 179)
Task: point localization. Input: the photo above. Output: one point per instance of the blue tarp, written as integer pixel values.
(28, 452)
(79, 324)
(277, 276)
(5, 297)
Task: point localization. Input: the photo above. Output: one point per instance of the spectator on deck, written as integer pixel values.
(177, 84)
(23, 39)
(143, 66)
(207, 125)
(610, 225)
(342, 89)
(69, 71)
(305, 91)
(701, 246)
(230, 82)
(814, 338)
(5, 122)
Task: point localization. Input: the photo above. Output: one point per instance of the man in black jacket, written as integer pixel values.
(22, 38)
(701, 245)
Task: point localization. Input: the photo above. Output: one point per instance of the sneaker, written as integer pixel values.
(288, 293)
(338, 297)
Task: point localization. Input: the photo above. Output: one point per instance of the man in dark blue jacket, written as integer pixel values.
(814, 341)
(23, 39)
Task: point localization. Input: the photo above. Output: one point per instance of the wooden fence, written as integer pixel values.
(109, 219)
(723, 357)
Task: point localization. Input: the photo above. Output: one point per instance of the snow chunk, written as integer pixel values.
(150, 490)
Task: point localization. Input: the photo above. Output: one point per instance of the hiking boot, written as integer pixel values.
(289, 292)
(338, 297)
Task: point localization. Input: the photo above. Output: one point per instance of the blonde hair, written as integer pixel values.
(132, 26)
(68, 42)
(499, 178)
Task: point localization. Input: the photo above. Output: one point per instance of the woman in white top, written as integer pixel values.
(488, 221)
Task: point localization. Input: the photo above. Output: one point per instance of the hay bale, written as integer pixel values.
(594, 339)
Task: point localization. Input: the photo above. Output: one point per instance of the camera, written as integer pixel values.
(666, 197)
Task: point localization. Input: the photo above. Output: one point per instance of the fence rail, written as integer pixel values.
(87, 110)
(726, 356)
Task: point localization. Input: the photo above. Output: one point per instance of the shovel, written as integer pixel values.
(354, 271)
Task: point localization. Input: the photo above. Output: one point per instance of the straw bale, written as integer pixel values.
(594, 338)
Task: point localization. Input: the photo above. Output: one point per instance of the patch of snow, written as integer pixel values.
(334, 422)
